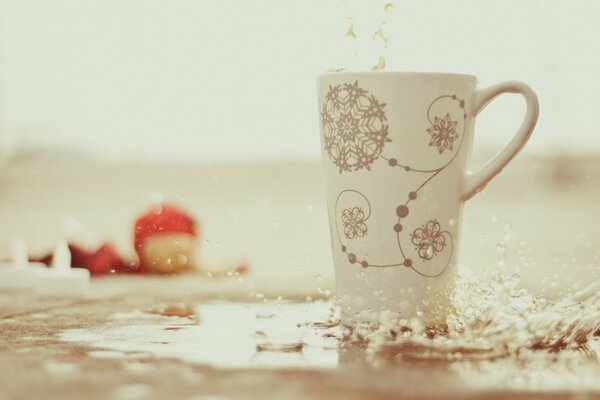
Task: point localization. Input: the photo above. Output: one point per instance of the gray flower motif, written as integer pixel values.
(443, 133)
(353, 221)
(355, 127)
(429, 240)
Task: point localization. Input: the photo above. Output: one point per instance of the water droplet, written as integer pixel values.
(380, 66)
(350, 32)
(379, 35)
(182, 259)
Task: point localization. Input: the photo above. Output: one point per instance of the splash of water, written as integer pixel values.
(379, 35)
(494, 319)
(380, 66)
(350, 32)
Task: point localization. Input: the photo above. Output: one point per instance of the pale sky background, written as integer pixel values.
(221, 81)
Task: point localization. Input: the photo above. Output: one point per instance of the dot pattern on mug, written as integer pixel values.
(428, 239)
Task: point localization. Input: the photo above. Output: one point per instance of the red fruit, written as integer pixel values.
(161, 221)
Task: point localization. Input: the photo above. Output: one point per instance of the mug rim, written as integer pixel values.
(420, 74)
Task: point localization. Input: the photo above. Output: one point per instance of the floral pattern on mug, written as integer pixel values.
(443, 133)
(354, 127)
(429, 240)
(353, 220)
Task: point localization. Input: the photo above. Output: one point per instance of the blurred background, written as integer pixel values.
(107, 107)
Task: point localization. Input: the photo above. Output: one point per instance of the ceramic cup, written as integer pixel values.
(395, 152)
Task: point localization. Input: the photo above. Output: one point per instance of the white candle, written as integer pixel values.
(60, 280)
(19, 273)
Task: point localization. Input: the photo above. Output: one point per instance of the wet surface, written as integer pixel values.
(187, 345)
(499, 338)
(224, 335)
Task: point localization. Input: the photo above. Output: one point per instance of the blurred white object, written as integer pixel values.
(60, 280)
(19, 273)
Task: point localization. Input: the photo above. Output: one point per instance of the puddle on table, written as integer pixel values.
(275, 334)
(498, 336)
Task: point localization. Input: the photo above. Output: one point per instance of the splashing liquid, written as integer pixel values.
(501, 335)
(350, 32)
(380, 35)
(377, 36)
(492, 320)
(380, 66)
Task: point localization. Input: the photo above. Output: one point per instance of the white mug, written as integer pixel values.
(395, 151)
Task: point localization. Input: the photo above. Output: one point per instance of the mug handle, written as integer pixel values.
(473, 183)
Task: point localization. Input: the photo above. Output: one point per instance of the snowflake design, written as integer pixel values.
(429, 240)
(354, 127)
(353, 220)
(443, 133)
